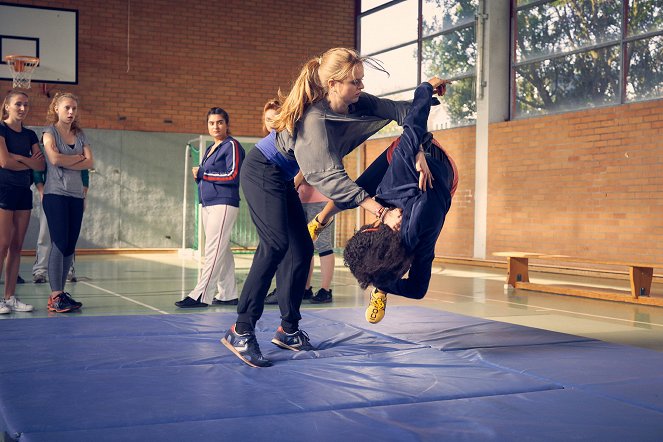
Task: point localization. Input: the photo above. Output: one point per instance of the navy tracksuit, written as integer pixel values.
(423, 212)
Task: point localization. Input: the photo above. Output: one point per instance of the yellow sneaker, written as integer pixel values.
(315, 227)
(376, 306)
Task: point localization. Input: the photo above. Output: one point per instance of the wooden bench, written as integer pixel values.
(640, 275)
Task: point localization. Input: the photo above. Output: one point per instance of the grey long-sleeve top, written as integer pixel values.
(323, 137)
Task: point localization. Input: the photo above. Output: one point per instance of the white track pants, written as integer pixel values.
(218, 272)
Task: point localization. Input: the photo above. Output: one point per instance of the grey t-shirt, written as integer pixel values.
(323, 137)
(60, 180)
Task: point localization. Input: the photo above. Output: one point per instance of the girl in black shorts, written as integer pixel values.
(19, 155)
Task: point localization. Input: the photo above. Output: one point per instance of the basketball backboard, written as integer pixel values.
(47, 33)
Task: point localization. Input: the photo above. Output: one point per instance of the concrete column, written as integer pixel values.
(492, 91)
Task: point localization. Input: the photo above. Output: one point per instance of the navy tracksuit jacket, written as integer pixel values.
(423, 212)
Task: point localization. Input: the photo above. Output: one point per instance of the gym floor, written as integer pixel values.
(144, 284)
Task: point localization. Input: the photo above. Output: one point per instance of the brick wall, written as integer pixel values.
(183, 58)
(187, 56)
(587, 183)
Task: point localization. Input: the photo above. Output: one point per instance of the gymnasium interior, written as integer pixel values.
(544, 315)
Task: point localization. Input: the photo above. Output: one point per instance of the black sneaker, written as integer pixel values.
(19, 280)
(296, 341)
(271, 298)
(189, 302)
(322, 297)
(245, 347)
(72, 301)
(228, 302)
(61, 304)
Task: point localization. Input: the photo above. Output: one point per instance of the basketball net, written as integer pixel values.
(22, 67)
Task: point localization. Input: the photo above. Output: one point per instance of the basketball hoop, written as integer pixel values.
(22, 67)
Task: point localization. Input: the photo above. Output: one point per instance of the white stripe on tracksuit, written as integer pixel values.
(218, 272)
(233, 167)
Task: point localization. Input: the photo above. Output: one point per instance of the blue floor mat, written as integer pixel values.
(550, 416)
(422, 375)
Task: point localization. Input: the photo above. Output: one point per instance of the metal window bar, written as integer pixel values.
(419, 41)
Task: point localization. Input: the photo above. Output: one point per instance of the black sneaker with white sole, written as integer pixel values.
(189, 302)
(296, 341)
(322, 297)
(245, 347)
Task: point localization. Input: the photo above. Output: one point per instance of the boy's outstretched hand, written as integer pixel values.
(439, 85)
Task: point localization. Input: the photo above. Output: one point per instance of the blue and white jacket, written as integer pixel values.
(218, 175)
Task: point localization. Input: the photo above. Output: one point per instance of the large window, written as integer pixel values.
(417, 39)
(571, 54)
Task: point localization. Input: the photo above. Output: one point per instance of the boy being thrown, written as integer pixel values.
(404, 236)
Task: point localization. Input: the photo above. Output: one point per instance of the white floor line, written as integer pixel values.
(124, 297)
(435, 299)
(630, 321)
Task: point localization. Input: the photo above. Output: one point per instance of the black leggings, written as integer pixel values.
(64, 215)
(285, 247)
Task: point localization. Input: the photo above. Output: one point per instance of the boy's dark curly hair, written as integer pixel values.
(376, 256)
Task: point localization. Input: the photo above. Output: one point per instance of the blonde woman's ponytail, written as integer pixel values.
(306, 90)
(311, 85)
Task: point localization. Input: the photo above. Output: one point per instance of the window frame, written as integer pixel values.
(419, 41)
(622, 43)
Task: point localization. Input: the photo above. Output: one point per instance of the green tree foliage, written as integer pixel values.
(452, 55)
(569, 54)
(645, 57)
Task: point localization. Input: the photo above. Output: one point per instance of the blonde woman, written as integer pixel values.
(324, 117)
(19, 155)
(68, 153)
